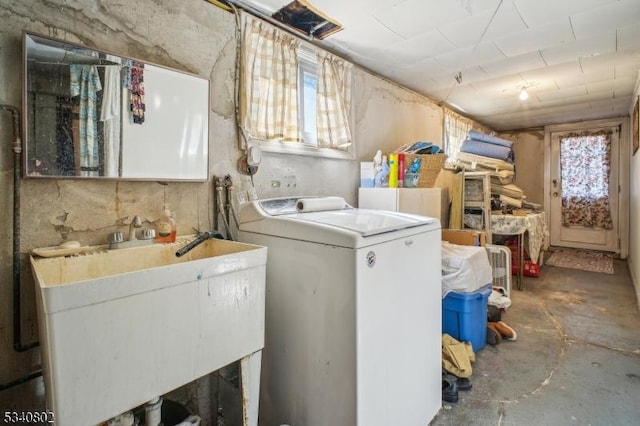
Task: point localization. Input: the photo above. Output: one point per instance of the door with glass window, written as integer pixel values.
(584, 189)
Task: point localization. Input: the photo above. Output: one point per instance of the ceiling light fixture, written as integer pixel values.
(524, 95)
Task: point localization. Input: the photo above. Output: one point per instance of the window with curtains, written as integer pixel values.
(456, 129)
(293, 98)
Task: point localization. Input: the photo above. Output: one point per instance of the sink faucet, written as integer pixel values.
(117, 241)
(199, 240)
(136, 222)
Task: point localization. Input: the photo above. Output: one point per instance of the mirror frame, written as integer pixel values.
(25, 114)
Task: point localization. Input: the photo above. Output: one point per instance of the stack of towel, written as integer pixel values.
(500, 171)
(488, 146)
(481, 152)
(509, 194)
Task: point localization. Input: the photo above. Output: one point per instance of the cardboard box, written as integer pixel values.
(464, 237)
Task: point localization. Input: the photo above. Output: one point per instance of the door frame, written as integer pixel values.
(624, 159)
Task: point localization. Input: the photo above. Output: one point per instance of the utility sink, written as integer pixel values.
(120, 327)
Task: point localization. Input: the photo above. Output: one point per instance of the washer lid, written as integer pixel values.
(348, 227)
(363, 221)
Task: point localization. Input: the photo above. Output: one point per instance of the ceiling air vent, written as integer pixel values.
(302, 16)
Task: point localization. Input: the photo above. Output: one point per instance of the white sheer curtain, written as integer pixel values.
(456, 129)
(333, 102)
(269, 90)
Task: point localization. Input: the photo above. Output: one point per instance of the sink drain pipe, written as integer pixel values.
(17, 317)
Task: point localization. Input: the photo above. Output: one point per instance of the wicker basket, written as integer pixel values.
(430, 166)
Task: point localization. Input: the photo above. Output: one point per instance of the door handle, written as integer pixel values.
(555, 194)
(555, 182)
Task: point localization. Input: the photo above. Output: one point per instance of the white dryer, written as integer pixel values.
(353, 315)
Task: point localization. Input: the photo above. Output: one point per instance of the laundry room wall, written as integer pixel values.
(634, 205)
(193, 36)
(529, 162)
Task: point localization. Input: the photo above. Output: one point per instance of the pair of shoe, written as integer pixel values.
(498, 330)
(451, 385)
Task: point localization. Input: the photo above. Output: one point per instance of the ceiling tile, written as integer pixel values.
(559, 93)
(411, 17)
(366, 32)
(628, 68)
(552, 74)
(468, 32)
(598, 68)
(540, 12)
(514, 65)
(461, 59)
(507, 21)
(604, 43)
(629, 38)
(592, 21)
(425, 45)
(546, 36)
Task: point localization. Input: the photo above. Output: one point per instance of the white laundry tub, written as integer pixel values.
(119, 327)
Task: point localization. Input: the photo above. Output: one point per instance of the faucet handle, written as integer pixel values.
(148, 234)
(116, 237)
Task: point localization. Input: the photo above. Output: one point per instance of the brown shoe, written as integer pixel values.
(493, 335)
(506, 331)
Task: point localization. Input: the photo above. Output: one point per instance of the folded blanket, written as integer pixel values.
(533, 206)
(483, 162)
(502, 177)
(477, 136)
(510, 190)
(511, 201)
(498, 177)
(487, 150)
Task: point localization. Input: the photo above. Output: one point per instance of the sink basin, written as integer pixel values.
(120, 327)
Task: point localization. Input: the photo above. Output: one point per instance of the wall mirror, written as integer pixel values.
(92, 114)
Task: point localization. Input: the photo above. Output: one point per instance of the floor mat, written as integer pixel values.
(586, 260)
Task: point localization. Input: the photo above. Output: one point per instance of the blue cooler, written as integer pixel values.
(464, 316)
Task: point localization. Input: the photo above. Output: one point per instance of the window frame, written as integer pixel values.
(307, 62)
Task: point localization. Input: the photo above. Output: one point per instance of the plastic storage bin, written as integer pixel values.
(464, 316)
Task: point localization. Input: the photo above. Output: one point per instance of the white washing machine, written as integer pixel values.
(353, 315)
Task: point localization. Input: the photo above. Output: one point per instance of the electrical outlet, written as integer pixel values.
(290, 181)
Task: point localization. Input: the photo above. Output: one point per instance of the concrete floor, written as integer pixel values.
(576, 360)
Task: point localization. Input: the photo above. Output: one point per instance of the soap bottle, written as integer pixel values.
(393, 170)
(166, 228)
(381, 179)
